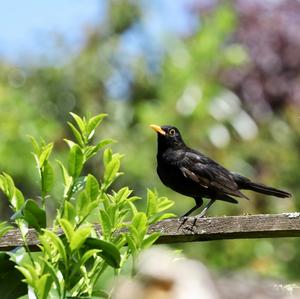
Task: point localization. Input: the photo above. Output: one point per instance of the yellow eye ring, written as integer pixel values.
(172, 132)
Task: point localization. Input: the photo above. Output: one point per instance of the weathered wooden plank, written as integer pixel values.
(230, 227)
(199, 229)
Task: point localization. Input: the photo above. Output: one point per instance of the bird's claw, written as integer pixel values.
(184, 220)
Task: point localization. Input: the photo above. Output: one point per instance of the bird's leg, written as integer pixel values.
(199, 203)
(184, 217)
(191, 211)
(203, 212)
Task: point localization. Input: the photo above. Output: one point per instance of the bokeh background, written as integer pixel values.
(226, 73)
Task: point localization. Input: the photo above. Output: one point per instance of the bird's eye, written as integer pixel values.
(172, 132)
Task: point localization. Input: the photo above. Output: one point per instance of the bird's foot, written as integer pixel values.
(200, 216)
(184, 220)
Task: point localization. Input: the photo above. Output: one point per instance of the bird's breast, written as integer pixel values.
(167, 171)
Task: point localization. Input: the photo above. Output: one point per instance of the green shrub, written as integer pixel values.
(72, 264)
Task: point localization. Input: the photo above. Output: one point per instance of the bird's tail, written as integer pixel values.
(246, 184)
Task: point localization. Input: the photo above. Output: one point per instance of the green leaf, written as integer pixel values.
(14, 195)
(122, 195)
(35, 145)
(76, 134)
(45, 246)
(105, 142)
(164, 203)
(79, 184)
(44, 155)
(139, 220)
(106, 200)
(107, 156)
(80, 122)
(9, 186)
(92, 150)
(69, 212)
(47, 178)
(70, 143)
(33, 272)
(68, 180)
(93, 205)
(139, 227)
(121, 213)
(132, 208)
(53, 272)
(43, 286)
(67, 228)
(82, 203)
(105, 223)
(32, 214)
(76, 160)
(57, 243)
(111, 171)
(112, 212)
(79, 237)
(88, 254)
(93, 123)
(134, 234)
(150, 240)
(120, 241)
(131, 243)
(109, 252)
(152, 205)
(92, 187)
(4, 228)
(27, 274)
(66, 177)
(18, 199)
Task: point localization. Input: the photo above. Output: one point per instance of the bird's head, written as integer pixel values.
(168, 136)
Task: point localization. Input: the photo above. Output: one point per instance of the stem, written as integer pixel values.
(43, 202)
(71, 188)
(66, 278)
(67, 198)
(23, 235)
(42, 192)
(133, 269)
(28, 251)
(81, 221)
(65, 292)
(95, 276)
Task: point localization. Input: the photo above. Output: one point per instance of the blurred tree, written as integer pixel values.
(230, 85)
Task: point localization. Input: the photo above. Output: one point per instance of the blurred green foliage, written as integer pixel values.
(182, 89)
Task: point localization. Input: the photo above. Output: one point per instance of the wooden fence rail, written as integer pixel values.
(199, 229)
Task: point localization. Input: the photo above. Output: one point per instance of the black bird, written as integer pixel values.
(191, 173)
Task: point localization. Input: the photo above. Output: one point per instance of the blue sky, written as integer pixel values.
(28, 28)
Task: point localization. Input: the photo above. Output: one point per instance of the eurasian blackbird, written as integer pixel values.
(191, 173)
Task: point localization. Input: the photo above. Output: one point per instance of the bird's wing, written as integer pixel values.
(209, 174)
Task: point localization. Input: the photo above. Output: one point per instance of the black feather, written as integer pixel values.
(246, 184)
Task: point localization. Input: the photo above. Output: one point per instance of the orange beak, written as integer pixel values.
(158, 129)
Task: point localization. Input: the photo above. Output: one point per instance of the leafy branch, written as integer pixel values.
(72, 265)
